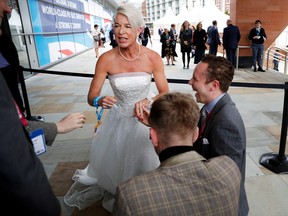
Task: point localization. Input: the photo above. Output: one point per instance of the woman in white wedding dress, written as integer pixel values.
(121, 147)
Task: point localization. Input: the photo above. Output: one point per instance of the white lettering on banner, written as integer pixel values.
(61, 13)
(67, 3)
(72, 5)
(55, 11)
(66, 25)
(47, 10)
(62, 2)
(77, 16)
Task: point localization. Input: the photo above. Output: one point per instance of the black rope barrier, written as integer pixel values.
(176, 81)
(277, 163)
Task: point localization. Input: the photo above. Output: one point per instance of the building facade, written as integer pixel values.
(46, 32)
(223, 5)
(155, 9)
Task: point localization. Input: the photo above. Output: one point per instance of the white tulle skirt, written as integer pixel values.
(120, 150)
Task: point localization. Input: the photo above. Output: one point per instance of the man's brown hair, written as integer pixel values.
(174, 113)
(219, 69)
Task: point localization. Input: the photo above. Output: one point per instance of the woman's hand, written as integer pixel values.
(146, 113)
(107, 101)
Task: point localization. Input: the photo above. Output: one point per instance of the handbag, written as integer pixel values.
(96, 38)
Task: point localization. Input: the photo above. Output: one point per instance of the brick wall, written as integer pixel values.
(272, 13)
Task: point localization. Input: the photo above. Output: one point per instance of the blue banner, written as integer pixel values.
(68, 16)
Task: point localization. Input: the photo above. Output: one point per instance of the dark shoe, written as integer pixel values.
(167, 64)
(255, 69)
(173, 64)
(188, 67)
(184, 67)
(261, 70)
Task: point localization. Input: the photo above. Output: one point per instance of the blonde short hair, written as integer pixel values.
(134, 16)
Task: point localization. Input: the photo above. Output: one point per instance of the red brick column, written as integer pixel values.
(272, 13)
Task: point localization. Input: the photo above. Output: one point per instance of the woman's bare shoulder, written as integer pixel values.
(108, 56)
(152, 55)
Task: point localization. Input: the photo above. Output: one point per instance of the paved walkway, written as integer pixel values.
(54, 96)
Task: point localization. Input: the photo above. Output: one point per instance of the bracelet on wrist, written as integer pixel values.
(95, 101)
(150, 99)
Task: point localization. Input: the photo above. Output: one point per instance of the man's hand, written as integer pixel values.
(70, 122)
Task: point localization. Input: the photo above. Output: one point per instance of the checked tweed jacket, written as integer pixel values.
(185, 184)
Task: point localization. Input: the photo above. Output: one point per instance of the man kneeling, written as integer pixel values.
(185, 183)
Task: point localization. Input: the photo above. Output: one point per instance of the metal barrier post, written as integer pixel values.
(237, 58)
(237, 54)
(278, 163)
(285, 64)
(24, 93)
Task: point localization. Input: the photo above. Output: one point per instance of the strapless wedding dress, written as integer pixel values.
(120, 149)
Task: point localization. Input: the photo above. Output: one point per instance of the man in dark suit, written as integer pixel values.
(231, 38)
(213, 38)
(222, 131)
(185, 183)
(23, 183)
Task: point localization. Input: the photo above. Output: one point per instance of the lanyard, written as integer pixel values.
(99, 116)
(21, 116)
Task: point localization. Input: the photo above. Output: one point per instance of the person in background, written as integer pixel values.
(103, 38)
(192, 47)
(231, 38)
(160, 31)
(222, 130)
(24, 185)
(276, 59)
(186, 42)
(113, 41)
(185, 183)
(174, 37)
(145, 36)
(96, 39)
(167, 46)
(213, 39)
(258, 37)
(121, 147)
(199, 40)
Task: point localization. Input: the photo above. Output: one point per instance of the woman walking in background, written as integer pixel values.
(186, 42)
(96, 39)
(167, 46)
(199, 40)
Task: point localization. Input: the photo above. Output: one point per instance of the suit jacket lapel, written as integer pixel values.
(224, 100)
